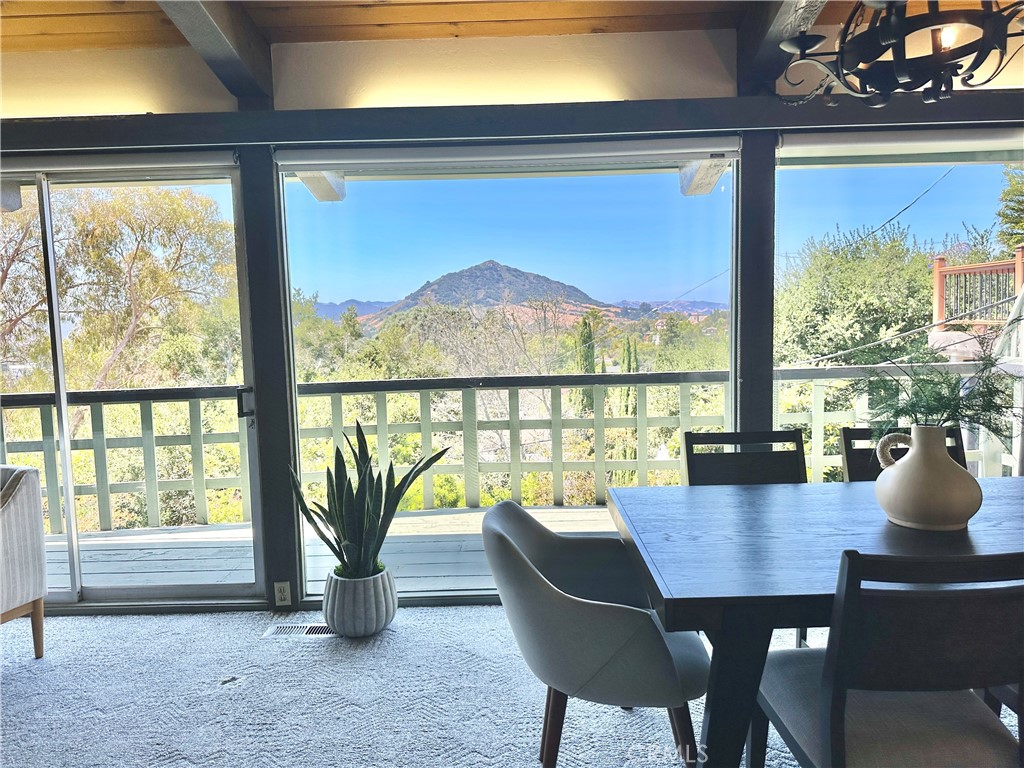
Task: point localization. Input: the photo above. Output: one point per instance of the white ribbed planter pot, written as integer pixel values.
(359, 607)
(926, 489)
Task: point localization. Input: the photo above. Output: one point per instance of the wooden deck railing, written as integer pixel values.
(491, 424)
(976, 294)
(99, 443)
(497, 407)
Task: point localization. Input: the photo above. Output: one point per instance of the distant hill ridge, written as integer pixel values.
(332, 310)
(676, 305)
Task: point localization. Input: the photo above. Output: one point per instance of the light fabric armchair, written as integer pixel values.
(22, 549)
(585, 627)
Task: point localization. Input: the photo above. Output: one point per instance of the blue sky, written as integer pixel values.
(615, 237)
(811, 202)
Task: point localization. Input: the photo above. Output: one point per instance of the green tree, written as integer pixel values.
(850, 289)
(349, 322)
(688, 346)
(586, 362)
(24, 331)
(141, 262)
(1011, 212)
(145, 283)
(320, 344)
(974, 246)
(630, 364)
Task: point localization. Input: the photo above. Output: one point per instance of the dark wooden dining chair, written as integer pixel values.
(893, 687)
(862, 463)
(1003, 695)
(745, 466)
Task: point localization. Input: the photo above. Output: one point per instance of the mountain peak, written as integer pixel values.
(491, 283)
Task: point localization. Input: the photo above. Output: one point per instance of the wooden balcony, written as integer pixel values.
(976, 294)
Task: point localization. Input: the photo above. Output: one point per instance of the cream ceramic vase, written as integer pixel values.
(926, 489)
(360, 607)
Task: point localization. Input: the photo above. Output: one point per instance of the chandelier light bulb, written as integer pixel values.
(947, 37)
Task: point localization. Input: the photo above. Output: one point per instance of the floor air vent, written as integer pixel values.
(299, 630)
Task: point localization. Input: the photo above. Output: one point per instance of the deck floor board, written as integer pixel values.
(434, 551)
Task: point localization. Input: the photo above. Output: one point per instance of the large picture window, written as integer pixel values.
(888, 263)
(555, 331)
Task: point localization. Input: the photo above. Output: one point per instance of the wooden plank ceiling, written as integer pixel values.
(40, 25)
(45, 25)
(58, 25)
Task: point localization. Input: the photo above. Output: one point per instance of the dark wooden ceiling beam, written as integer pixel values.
(759, 60)
(598, 120)
(230, 44)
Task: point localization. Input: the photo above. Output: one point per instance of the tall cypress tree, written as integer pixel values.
(631, 364)
(585, 362)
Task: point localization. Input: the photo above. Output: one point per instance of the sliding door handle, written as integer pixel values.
(240, 400)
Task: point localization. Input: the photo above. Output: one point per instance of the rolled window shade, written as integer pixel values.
(151, 161)
(475, 158)
(902, 147)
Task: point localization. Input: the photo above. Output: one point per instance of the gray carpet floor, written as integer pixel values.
(440, 687)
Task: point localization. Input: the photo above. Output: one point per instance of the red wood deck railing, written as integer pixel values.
(976, 294)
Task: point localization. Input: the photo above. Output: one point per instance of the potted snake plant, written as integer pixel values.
(359, 595)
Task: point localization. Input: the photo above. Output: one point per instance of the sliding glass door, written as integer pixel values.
(147, 292)
(28, 424)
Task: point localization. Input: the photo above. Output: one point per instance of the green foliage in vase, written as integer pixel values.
(922, 389)
(359, 513)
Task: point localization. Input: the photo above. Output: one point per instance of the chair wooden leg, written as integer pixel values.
(682, 733)
(992, 701)
(554, 719)
(37, 627)
(757, 738)
(544, 728)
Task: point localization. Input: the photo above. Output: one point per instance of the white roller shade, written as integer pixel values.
(510, 157)
(903, 147)
(152, 161)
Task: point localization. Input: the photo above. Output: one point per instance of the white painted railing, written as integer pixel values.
(581, 432)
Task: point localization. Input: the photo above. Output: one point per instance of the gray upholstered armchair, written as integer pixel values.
(22, 549)
(585, 627)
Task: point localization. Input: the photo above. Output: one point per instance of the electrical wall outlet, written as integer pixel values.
(282, 593)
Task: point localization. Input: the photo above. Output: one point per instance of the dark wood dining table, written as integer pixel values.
(740, 561)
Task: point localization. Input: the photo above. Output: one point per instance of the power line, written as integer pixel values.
(905, 208)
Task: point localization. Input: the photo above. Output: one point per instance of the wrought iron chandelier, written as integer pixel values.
(887, 46)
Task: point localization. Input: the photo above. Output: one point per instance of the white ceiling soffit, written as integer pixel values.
(904, 147)
(668, 153)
